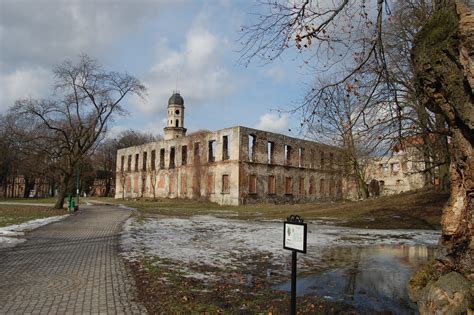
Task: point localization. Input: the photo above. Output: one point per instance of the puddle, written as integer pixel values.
(371, 278)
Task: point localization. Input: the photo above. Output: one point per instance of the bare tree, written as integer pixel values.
(73, 120)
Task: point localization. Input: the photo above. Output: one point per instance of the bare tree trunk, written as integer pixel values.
(62, 191)
(442, 57)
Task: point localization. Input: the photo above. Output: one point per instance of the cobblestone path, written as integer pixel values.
(69, 267)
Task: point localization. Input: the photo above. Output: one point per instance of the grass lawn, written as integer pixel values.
(16, 214)
(50, 200)
(410, 210)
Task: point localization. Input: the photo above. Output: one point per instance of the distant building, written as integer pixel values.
(232, 166)
(19, 187)
(403, 171)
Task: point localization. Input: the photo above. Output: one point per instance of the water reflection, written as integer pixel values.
(372, 279)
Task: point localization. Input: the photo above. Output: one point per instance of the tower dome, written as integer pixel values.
(175, 122)
(176, 99)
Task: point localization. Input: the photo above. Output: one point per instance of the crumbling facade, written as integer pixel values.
(403, 171)
(231, 166)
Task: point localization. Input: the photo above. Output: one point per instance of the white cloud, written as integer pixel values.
(43, 32)
(23, 83)
(195, 69)
(273, 122)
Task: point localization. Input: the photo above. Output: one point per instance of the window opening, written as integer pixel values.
(144, 161)
(252, 184)
(197, 151)
(184, 155)
(271, 152)
(153, 160)
(162, 158)
(287, 154)
(271, 184)
(225, 147)
(172, 157)
(300, 157)
(212, 150)
(288, 185)
(252, 140)
(225, 184)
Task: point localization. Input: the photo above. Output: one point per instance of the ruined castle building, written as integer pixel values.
(232, 166)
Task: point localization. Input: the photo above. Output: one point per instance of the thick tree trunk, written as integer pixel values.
(443, 62)
(64, 182)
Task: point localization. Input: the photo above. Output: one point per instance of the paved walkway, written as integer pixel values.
(69, 267)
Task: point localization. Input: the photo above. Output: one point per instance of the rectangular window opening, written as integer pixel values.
(144, 161)
(184, 155)
(301, 157)
(331, 160)
(322, 160)
(162, 158)
(287, 154)
(288, 185)
(225, 147)
(212, 150)
(122, 162)
(271, 184)
(252, 184)
(225, 184)
(129, 163)
(172, 157)
(252, 143)
(137, 156)
(210, 183)
(197, 152)
(271, 152)
(153, 160)
(301, 186)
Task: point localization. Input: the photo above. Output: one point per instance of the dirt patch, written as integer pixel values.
(164, 289)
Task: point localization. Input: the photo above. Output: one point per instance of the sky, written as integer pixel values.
(186, 45)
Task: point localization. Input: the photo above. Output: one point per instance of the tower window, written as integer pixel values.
(177, 112)
(177, 123)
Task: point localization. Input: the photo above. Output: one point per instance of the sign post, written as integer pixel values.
(294, 239)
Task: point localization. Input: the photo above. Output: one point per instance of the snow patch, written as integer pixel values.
(223, 243)
(9, 235)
